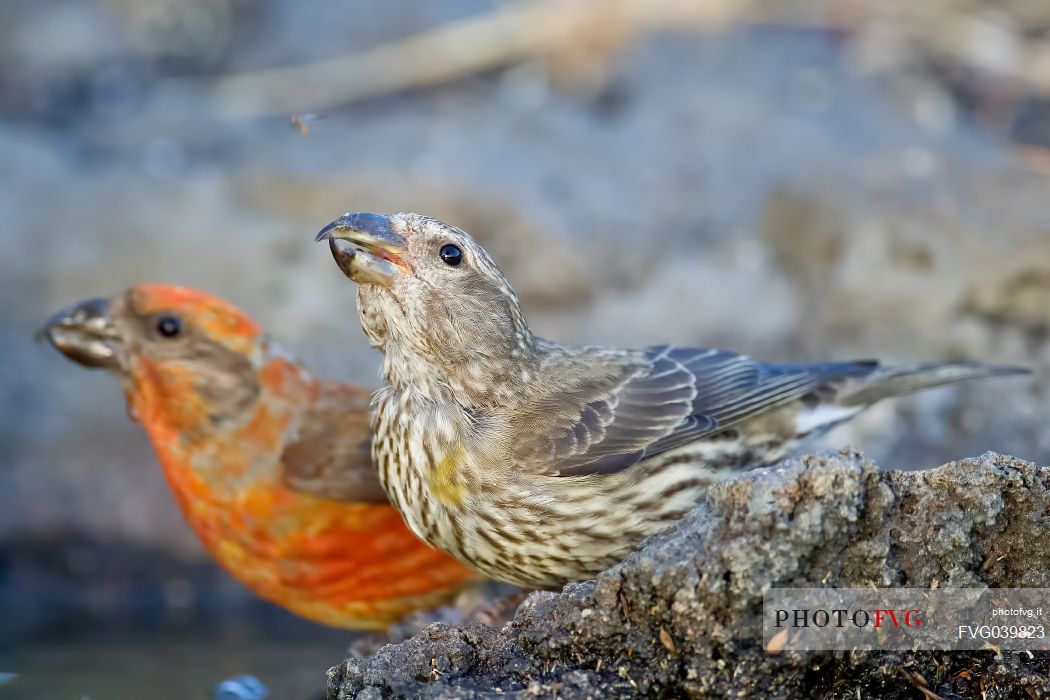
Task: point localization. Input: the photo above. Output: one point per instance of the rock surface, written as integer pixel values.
(682, 616)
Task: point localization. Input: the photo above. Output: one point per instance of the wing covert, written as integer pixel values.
(331, 456)
(665, 398)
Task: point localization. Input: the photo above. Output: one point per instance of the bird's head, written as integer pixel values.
(185, 357)
(437, 305)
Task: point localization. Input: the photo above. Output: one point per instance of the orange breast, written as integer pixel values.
(341, 564)
(353, 566)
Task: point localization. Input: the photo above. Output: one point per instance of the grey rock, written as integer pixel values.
(682, 616)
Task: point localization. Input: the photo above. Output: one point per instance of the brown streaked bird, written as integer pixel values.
(270, 466)
(538, 463)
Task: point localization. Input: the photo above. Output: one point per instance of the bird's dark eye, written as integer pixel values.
(451, 255)
(169, 326)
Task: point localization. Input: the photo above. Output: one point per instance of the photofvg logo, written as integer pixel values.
(840, 617)
(905, 618)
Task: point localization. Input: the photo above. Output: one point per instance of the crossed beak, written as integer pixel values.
(366, 248)
(86, 334)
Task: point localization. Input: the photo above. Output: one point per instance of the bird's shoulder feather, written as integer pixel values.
(330, 456)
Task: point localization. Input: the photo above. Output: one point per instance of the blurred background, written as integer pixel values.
(797, 180)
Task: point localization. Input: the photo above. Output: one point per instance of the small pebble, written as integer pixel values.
(241, 688)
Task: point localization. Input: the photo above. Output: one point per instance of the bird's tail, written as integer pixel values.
(886, 382)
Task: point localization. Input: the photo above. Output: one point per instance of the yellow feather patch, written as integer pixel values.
(444, 483)
(231, 554)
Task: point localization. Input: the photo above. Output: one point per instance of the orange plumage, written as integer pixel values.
(257, 451)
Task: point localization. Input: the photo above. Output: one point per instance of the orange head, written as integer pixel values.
(200, 376)
(188, 360)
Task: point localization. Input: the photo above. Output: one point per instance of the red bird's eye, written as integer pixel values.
(169, 326)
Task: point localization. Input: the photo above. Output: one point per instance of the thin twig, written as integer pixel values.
(443, 53)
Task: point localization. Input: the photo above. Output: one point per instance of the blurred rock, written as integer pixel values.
(682, 617)
(1015, 292)
(65, 63)
(922, 256)
(196, 33)
(927, 266)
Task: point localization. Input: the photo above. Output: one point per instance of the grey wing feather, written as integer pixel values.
(678, 395)
(684, 394)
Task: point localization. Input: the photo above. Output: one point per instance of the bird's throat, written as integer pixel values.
(223, 456)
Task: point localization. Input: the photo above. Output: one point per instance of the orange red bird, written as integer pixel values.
(270, 466)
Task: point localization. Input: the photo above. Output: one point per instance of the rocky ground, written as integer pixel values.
(682, 617)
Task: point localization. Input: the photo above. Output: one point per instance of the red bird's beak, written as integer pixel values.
(366, 248)
(86, 334)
